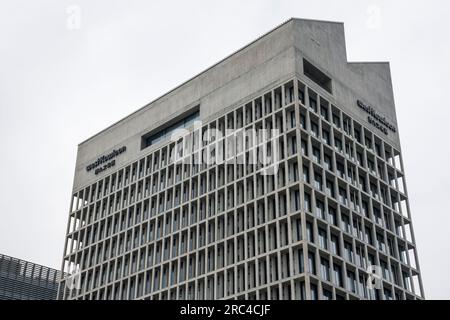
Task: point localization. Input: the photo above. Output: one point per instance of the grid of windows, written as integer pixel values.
(162, 229)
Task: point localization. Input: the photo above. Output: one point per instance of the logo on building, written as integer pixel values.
(376, 119)
(106, 161)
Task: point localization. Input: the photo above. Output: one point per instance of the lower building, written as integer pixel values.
(23, 280)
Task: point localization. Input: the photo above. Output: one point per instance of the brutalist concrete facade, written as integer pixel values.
(332, 222)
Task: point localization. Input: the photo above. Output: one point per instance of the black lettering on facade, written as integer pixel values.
(106, 161)
(376, 119)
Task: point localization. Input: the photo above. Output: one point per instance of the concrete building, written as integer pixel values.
(23, 280)
(206, 215)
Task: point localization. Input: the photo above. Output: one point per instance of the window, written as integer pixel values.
(313, 104)
(320, 209)
(292, 118)
(371, 259)
(336, 120)
(337, 275)
(296, 200)
(334, 244)
(368, 142)
(311, 263)
(305, 174)
(351, 281)
(368, 235)
(327, 294)
(343, 196)
(348, 250)
(349, 150)
(324, 112)
(338, 144)
(371, 166)
(301, 268)
(346, 223)
(317, 76)
(326, 136)
(324, 269)
(301, 96)
(297, 228)
(359, 158)
(330, 188)
(323, 242)
(309, 232)
(357, 135)
(160, 134)
(304, 147)
(315, 129)
(340, 170)
(380, 242)
(293, 143)
(385, 271)
(316, 154)
(360, 259)
(332, 216)
(347, 125)
(307, 203)
(387, 294)
(377, 216)
(357, 228)
(365, 208)
(378, 149)
(327, 162)
(318, 181)
(314, 295)
(362, 183)
(303, 121)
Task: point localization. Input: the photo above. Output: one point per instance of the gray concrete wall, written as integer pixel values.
(323, 44)
(271, 59)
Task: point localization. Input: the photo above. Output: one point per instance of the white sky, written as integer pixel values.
(60, 85)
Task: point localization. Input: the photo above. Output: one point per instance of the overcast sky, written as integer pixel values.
(68, 69)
